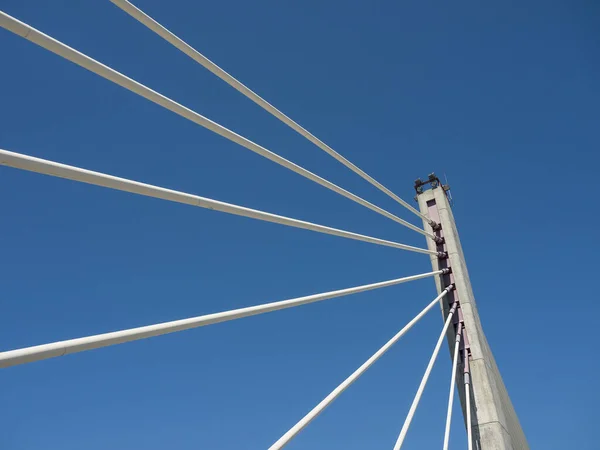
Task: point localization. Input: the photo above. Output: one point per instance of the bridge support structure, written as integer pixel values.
(494, 422)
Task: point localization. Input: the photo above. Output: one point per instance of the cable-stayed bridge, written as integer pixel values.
(490, 420)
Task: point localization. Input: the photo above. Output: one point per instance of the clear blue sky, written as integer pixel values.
(503, 99)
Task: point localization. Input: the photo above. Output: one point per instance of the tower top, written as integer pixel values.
(432, 180)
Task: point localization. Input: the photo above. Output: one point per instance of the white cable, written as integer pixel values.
(417, 398)
(32, 164)
(292, 432)
(452, 387)
(469, 432)
(49, 43)
(467, 376)
(39, 352)
(167, 35)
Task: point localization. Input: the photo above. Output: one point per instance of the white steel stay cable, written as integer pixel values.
(419, 393)
(177, 42)
(46, 167)
(292, 432)
(467, 377)
(55, 349)
(452, 387)
(468, 407)
(51, 44)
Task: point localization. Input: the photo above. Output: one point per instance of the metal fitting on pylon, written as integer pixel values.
(442, 255)
(435, 226)
(447, 271)
(439, 240)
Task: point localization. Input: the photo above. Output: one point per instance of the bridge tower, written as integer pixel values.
(495, 425)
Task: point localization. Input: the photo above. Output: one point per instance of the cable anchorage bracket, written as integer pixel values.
(447, 271)
(439, 240)
(442, 255)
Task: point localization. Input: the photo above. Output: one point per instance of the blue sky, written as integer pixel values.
(503, 99)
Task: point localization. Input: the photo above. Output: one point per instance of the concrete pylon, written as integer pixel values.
(495, 425)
